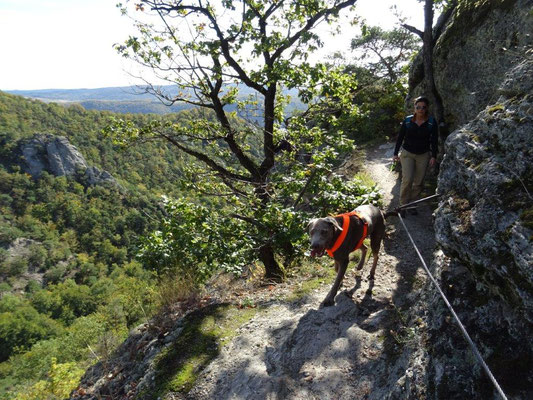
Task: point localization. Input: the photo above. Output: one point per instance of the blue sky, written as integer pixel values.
(67, 44)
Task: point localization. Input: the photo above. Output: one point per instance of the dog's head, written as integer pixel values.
(322, 234)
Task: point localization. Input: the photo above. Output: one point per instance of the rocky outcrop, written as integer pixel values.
(484, 225)
(95, 176)
(56, 155)
(484, 222)
(25, 254)
(52, 153)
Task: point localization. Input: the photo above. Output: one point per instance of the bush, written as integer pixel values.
(23, 326)
(14, 266)
(62, 379)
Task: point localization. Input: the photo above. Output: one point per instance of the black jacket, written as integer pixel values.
(418, 139)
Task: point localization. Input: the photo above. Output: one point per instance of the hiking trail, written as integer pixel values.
(353, 350)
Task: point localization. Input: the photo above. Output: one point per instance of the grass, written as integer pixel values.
(205, 332)
(311, 276)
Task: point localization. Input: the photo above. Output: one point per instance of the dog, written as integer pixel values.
(343, 234)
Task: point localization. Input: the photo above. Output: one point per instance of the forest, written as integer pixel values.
(81, 265)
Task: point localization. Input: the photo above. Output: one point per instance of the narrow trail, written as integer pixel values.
(353, 350)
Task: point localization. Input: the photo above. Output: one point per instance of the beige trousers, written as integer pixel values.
(414, 168)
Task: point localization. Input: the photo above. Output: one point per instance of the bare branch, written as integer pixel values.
(304, 189)
(324, 13)
(414, 30)
(252, 221)
(206, 160)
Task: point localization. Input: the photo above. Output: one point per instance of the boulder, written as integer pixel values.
(63, 157)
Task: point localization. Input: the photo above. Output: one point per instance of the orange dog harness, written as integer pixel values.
(345, 226)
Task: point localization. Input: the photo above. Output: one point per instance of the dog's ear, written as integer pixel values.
(310, 224)
(334, 222)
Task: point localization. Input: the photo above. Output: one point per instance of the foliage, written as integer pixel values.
(62, 379)
(264, 47)
(21, 326)
(380, 64)
(83, 288)
(384, 54)
(195, 240)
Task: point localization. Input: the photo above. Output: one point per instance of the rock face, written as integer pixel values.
(484, 223)
(482, 41)
(58, 156)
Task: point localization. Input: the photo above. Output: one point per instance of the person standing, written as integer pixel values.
(418, 139)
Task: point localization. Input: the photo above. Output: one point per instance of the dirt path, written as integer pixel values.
(356, 349)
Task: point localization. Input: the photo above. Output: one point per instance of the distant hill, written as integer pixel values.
(122, 99)
(121, 93)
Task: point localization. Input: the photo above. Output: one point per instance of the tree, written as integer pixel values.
(241, 55)
(385, 53)
(21, 326)
(381, 65)
(429, 37)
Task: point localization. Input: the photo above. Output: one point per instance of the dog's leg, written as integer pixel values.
(363, 257)
(374, 264)
(340, 267)
(375, 244)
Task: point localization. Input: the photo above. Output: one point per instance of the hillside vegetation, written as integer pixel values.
(71, 285)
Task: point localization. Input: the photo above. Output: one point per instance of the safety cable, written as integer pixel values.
(416, 202)
(463, 330)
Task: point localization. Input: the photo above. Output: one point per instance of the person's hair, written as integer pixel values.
(422, 99)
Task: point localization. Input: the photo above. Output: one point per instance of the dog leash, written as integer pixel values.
(408, 205)
(461, 326)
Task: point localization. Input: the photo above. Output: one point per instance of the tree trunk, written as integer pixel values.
(427, 53)
(273, 272)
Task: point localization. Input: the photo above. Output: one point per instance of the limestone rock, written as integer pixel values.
(64, 158)
(483, 66)
(483, 225)
(56, 155)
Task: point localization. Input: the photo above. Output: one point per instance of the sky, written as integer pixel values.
(68, 44)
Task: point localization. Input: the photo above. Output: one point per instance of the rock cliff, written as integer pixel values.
(482, 41)
(56, 155)
(484, 222)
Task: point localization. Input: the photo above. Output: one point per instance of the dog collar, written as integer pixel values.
(345, 225)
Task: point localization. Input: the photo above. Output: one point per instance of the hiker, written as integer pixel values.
(418, 139)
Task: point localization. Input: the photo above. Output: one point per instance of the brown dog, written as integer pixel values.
(341, 235)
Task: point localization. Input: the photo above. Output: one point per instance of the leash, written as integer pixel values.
(461, 326)
(408, 205)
